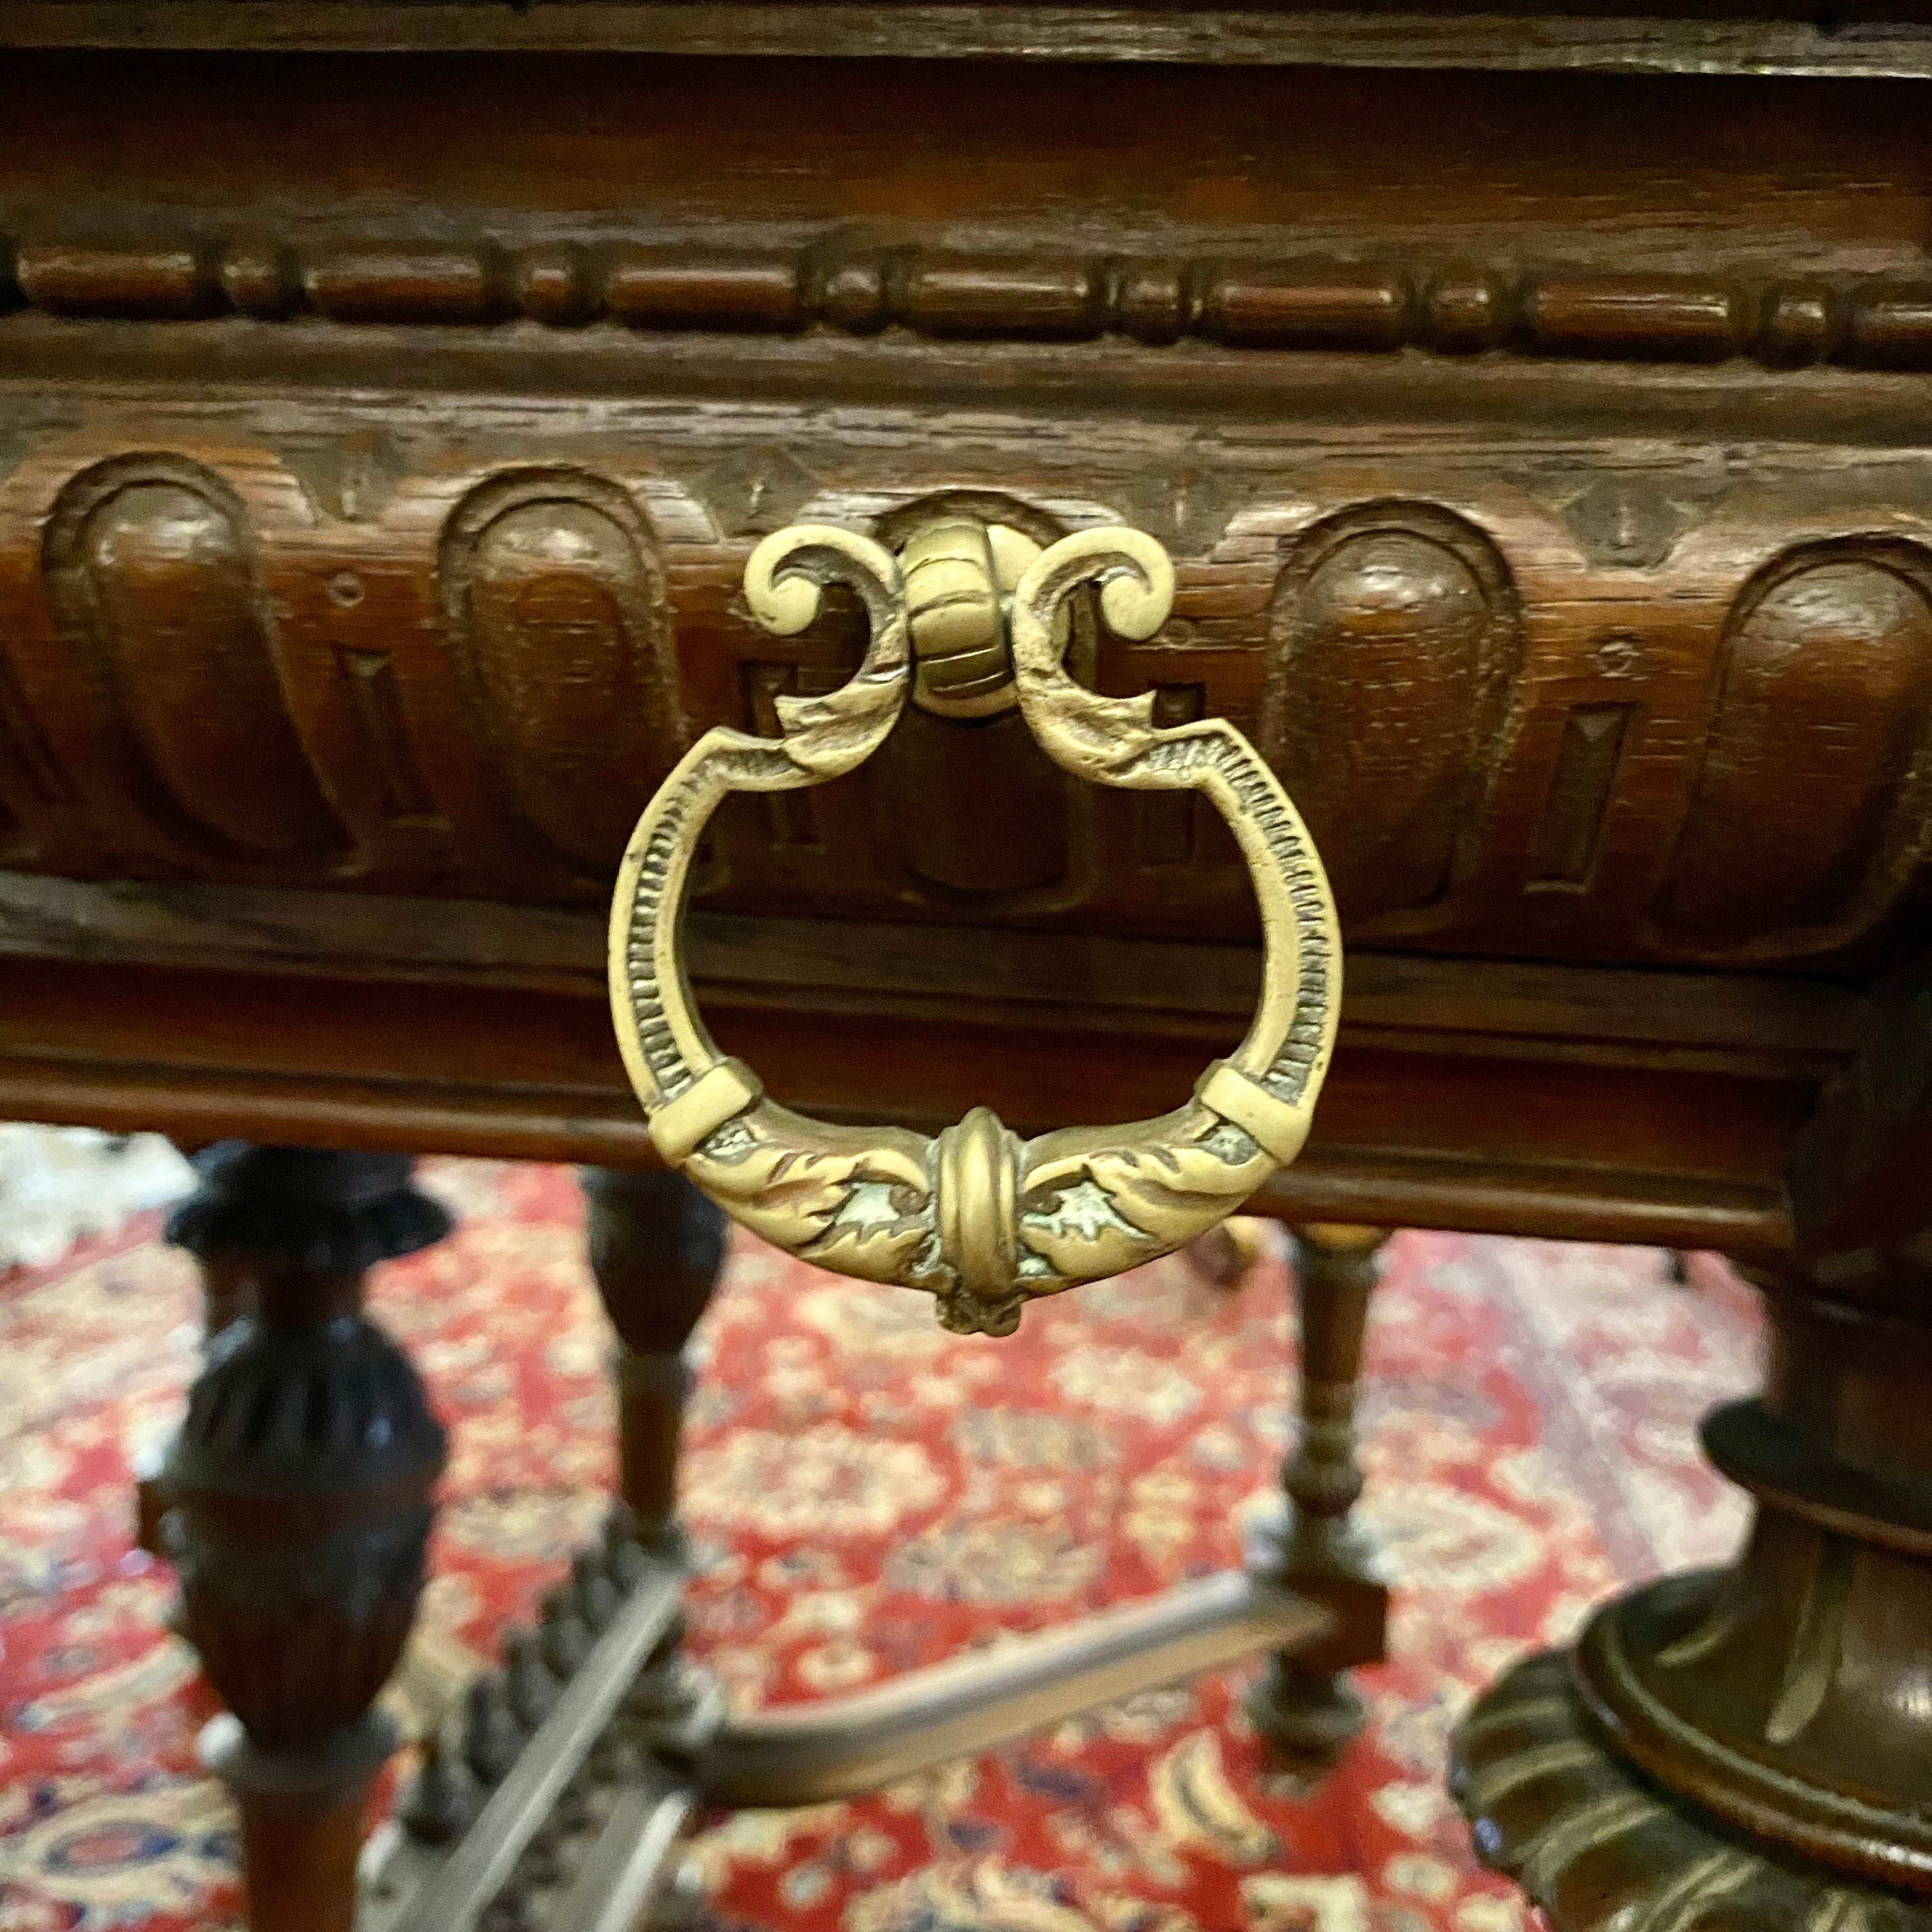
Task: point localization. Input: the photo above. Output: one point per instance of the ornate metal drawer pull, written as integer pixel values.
(978, 1217)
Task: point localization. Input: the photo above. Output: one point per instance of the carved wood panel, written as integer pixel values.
(1814, 789)
(1591, 714)
(1394, 643)
(554, 603)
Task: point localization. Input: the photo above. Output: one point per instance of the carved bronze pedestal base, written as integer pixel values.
(1601, 1848)
(1749, 1749)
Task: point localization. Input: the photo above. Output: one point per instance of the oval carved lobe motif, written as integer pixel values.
(148, 565)
(556, 604)
(1800, 811)
(1393, 641)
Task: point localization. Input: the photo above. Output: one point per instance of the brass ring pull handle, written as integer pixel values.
(976, 1216)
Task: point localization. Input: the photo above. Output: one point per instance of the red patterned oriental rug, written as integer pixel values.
(868, 1493)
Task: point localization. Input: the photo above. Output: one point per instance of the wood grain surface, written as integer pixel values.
(1502, 742)
(1750, 37)
(1537, 452)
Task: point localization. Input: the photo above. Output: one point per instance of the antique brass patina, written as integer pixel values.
(976, 1216)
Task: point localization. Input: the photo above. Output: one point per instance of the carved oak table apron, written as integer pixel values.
(1532, 408)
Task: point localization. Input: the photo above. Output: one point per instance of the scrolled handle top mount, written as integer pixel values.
(979, 1217)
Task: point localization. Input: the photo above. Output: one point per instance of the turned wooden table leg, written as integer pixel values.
(656, 1246)
(1301, 1703)
(1749, 1749)
(225, 1295)
(298, 1504)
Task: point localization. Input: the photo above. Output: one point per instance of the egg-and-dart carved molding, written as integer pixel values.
(1288, 303)
(1499, 737)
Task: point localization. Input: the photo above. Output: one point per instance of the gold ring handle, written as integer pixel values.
(976, 1216)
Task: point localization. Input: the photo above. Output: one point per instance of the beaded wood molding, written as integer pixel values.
(823, 281)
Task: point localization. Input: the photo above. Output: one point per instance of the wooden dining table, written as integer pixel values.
(1536, 406)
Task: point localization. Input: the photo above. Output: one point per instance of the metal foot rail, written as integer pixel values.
(840, 1747)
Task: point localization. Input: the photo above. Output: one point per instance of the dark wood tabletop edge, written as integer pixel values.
(1655, 43)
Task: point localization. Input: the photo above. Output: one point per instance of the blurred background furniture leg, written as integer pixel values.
(1302, 1704)
(298, 1504)
(657, 1247)
(1748, 1749)
(1228, 1253)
